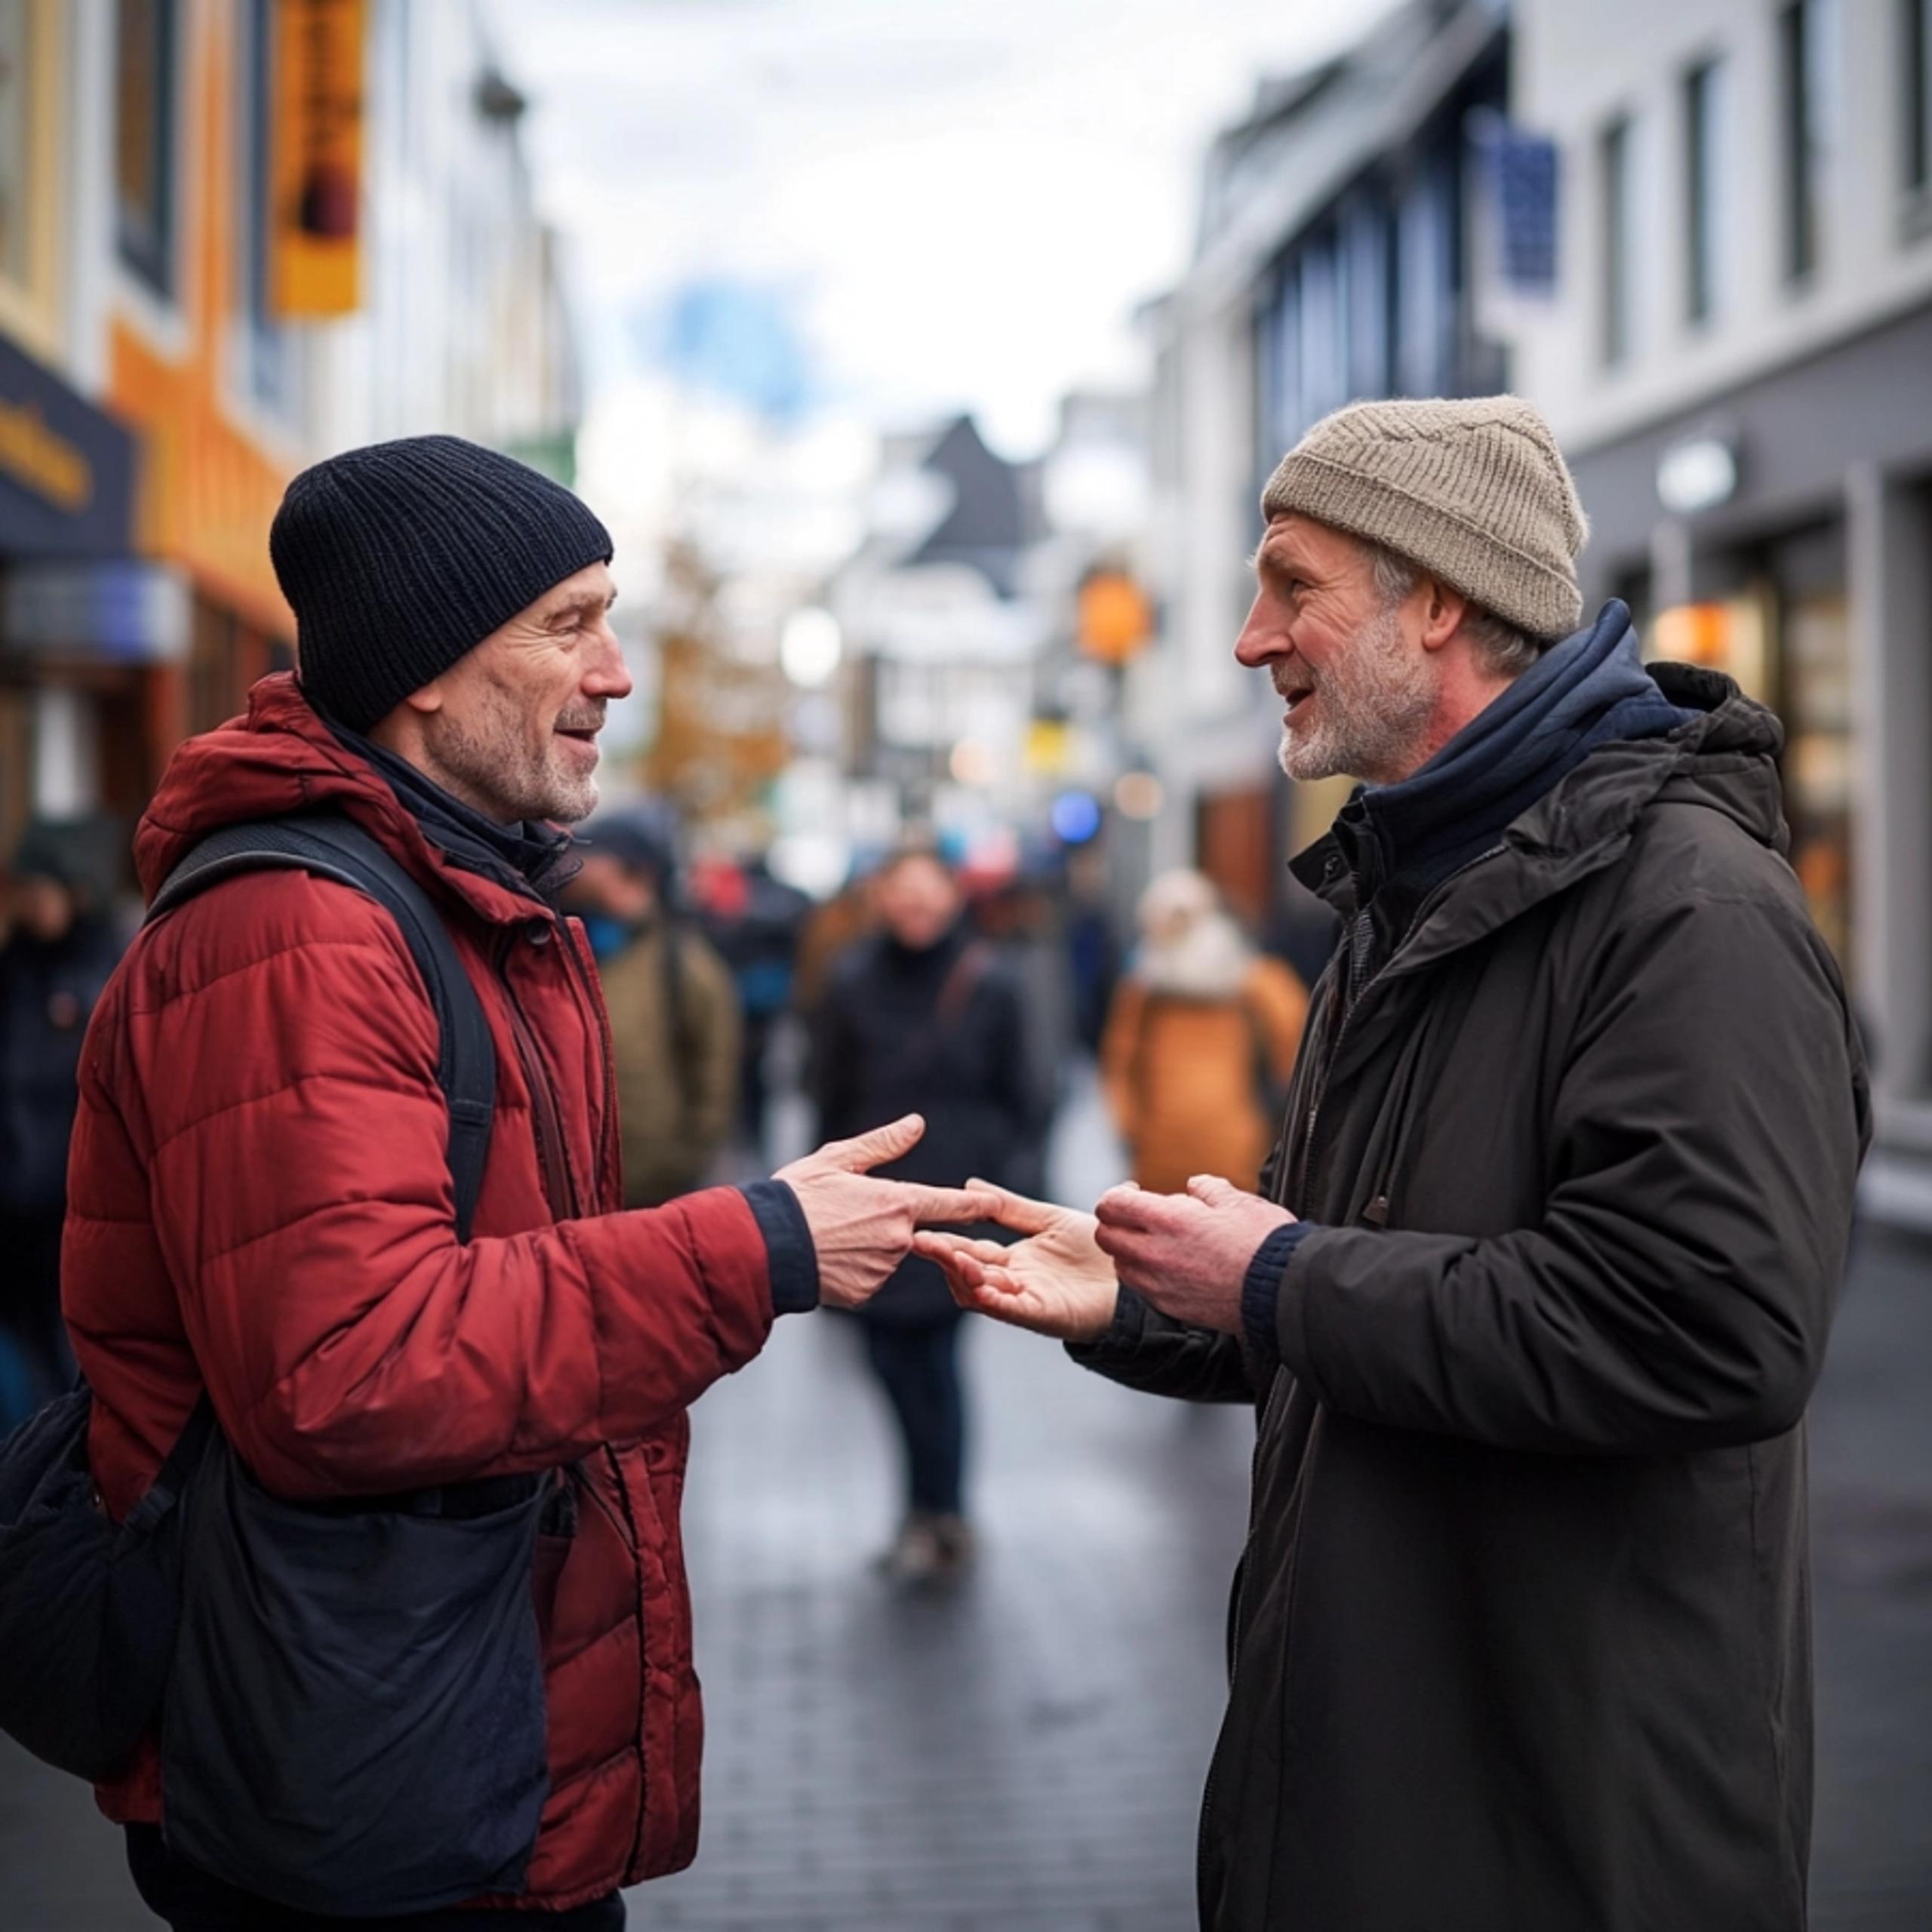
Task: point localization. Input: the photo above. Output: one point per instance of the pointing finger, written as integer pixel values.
(1017, 1211)
(946, 1204)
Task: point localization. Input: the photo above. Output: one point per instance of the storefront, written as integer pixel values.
(66, 512)
(1782, 532)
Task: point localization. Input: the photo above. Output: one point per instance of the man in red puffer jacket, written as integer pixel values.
(259, 1197)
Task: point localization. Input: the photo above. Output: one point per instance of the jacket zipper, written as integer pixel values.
(559, 1185)
(1298, 1180)
(581, 974)
(1428, 905)
(542, 1104)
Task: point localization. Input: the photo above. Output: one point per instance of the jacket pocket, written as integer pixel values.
(354, 1723)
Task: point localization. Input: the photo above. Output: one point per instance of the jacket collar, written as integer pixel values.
(525, 858)
(280, 759)
(1723, 756)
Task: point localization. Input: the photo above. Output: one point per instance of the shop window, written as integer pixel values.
(17, 133)
(1784, 637)
(1815, 637)
(1808, 80)
(1616, 186)
(145, 190)
(1705, 134)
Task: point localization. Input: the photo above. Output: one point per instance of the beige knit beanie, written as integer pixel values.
(1476, 492)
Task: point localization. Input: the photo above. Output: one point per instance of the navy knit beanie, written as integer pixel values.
(401, 557)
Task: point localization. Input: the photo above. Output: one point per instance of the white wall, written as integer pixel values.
(1576, 67)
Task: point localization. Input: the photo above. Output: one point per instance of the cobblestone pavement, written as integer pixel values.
(1027, 1754)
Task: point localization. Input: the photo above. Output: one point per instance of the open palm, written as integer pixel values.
(1056, 1281)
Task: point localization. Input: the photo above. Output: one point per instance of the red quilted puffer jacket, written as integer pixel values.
(258, 1195)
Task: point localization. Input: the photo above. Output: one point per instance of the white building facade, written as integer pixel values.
(1739, 365)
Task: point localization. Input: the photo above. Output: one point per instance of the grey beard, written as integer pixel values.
(1376, 704)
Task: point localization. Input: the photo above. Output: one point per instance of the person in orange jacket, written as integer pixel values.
(1201, 1028)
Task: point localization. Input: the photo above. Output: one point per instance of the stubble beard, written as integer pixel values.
(1375, 704)
(491, 762)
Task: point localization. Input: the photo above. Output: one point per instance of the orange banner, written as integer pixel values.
(316, 258)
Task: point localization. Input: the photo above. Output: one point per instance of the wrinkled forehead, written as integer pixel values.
(1292, 540)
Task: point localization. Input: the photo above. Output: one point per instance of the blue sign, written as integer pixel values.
(67, 470)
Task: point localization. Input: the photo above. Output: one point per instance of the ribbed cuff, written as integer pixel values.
(790, 1257)
(1122, 1334)
(1261, 1288)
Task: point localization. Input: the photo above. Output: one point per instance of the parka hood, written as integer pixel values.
(280, 758)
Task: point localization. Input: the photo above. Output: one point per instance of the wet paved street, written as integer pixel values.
(1024, 1756)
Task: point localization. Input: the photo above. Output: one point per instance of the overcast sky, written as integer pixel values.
(889, 208)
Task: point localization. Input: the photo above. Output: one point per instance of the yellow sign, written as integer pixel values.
(44, 461)
(315, 259)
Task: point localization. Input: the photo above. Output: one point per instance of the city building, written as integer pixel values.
(235, 235)
(940, 638)
(1739, 364)
(1334, 261)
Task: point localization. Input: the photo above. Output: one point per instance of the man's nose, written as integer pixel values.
(1261, 638)
(608, 676)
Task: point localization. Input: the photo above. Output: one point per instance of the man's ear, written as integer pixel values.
(1443, 611)
(428, 699)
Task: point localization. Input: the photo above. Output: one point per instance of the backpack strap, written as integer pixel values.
(328, 846)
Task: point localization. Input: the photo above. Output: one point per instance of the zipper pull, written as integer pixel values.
(1376, 1213)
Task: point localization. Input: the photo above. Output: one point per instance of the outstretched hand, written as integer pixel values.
(862, 1228)
(1055, 1282)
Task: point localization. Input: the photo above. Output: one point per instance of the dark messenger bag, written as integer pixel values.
(350, 1693)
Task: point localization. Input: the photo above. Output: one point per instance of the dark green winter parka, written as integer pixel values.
(1521, 1636)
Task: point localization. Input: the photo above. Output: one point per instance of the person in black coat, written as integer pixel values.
(920, 1017)
(57, 955)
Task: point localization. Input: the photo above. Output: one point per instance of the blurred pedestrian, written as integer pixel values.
(674, 1009)
(460, 1451)
(1200, 1042)
(921, 1017)
(61, 945)
(1541, 1285)
(756, 921)
(1020, 916)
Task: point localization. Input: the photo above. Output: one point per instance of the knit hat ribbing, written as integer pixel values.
(1475, 491)
(400, 557)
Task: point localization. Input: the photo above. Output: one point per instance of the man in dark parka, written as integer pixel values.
(1540, 1280)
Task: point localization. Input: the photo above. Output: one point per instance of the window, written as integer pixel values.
(1425, 282)
(268, 344)
(144, 128)
(1807, 78)
(17, 132)
(1365, 245)
(1704, 137)
(1324, 376)
(1917, 23)
(1281, 370)
(1614, 175)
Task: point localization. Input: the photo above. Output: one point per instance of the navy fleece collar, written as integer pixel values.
(527, 857)
(1589, 691)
